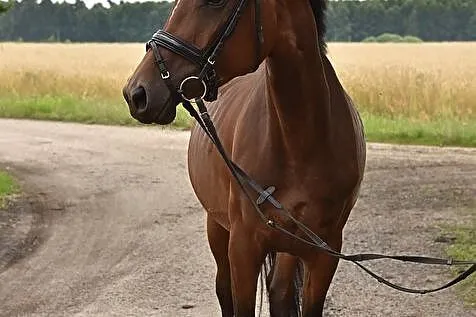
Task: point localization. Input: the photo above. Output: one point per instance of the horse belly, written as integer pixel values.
(209, 177)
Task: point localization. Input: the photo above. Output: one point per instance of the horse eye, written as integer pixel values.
(216, 3)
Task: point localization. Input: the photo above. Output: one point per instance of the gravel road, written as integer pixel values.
(114, 228)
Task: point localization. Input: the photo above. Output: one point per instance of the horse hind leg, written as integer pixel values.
(319, 272)
(284, 290)
(218, 238)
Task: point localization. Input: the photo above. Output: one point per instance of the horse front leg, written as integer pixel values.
(218, 238)
(246, 256)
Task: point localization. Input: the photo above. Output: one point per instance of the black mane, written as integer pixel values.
(319, 9)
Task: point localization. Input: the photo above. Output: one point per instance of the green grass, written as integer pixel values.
(72, 109)
(464, 248)
(442, 132)
(65, 108)
(7, 188)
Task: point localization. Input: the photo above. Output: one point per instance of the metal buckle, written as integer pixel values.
(211, 61)
(165, 75)
(181, 91)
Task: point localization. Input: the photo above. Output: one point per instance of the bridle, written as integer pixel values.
(206, 82)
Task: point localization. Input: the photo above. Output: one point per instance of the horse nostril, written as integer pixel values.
(139, 99)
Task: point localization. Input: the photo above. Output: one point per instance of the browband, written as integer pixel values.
(178, 46)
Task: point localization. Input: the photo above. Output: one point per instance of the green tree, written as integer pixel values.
(3, 7)
(411, 24)
(341, 29)
(471, 28)
(347, 20)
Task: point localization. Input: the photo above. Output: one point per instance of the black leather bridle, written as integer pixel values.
(206, 82)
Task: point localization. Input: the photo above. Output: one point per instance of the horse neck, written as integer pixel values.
(298, 96)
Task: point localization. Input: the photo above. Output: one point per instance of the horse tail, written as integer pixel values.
(298, 284)
(266, 276)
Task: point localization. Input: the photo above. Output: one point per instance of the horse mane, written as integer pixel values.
(319, 8)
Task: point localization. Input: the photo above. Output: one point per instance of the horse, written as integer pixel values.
(283, 116)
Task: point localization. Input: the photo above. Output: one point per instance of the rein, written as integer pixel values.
(205, 122)
(207, 84)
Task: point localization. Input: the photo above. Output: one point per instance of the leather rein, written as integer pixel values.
(207, 80)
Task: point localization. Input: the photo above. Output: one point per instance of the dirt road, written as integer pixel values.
(122, 234)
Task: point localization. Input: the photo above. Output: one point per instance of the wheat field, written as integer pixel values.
(95, 71)
(421, 83)
(424, 81)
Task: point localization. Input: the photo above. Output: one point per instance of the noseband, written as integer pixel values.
(206, 83)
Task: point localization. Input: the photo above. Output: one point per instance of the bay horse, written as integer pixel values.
(283, 117)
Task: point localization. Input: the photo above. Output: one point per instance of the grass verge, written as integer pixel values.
(463, 246)
(65, 108)
(7, 188)
(441, 132)
(73, 109)
(379, 128)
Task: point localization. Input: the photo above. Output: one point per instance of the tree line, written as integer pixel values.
(3, 7)
(47, 21)
(347, 20)
(430, 20)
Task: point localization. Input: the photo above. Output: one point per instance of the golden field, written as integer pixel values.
(411, 80)
(415, 82)
(422, 81)
(82, 70)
